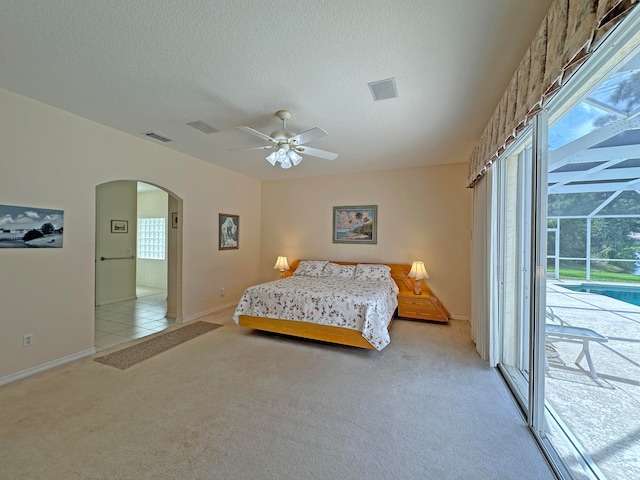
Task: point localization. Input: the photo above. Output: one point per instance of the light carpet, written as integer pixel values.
(130, 356)
(244, 406)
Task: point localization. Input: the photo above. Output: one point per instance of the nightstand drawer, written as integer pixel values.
(416, 300)
(422, 309)
(419, 308)
(423, 315)
(420, 312)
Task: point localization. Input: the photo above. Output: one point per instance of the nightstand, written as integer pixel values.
(421, 307)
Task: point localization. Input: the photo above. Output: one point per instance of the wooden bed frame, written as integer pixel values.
(325, 333)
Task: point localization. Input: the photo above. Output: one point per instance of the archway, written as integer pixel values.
(121, 314)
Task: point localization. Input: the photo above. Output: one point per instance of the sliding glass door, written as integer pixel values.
(593, 289)
(568, 262)
(514, 247)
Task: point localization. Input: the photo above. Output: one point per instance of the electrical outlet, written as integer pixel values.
(27, 340)
(222, 292)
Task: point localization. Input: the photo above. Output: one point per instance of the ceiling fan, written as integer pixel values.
(287, 145)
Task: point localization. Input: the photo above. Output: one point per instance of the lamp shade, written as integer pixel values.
(286, 163)
(418, 271)
(294, 157)
(281, 264)
(272, 159)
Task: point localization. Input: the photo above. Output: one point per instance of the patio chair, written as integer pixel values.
(553, 317)
(566, 333)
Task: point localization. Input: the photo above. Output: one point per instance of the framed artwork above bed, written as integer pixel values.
(356, 224)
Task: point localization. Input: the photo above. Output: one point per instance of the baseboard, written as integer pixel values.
(46, 366)
(459, 317)
(206, 312)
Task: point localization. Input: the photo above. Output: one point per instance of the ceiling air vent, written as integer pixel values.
(202, 126)
(383, 89)
(157, 136)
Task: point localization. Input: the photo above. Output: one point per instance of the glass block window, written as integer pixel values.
(151, 238)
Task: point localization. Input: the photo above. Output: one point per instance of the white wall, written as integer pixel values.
(115, 279)
(53, 159)
(423, 214)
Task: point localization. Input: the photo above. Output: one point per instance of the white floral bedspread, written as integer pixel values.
(359, 305)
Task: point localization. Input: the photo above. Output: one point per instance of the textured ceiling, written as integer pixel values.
(155, 65)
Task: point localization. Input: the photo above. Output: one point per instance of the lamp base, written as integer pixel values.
(417, 287)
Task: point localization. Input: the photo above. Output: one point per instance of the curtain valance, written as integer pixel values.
(571, 31)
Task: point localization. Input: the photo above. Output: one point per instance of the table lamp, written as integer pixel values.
(418, 272)
(282, 265)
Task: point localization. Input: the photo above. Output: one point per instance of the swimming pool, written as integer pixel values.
(625, 293)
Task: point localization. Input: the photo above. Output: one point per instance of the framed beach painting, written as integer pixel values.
(228, 230)
(355, 224)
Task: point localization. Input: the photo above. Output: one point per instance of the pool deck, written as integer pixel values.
(603, 413)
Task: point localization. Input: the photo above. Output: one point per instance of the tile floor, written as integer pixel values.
(122, 322)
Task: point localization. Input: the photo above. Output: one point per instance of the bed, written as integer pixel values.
(346, 303)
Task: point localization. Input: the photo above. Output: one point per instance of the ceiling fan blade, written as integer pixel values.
(264, 147)
(309, 135)
(256, 133)
(316, 152)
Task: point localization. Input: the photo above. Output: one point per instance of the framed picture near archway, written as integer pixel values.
(119, 226)
(30, 227)
(228, 230)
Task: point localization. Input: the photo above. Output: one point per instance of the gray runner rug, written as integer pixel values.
(129, 356)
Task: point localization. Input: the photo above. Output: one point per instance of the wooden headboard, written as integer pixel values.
(399, 273)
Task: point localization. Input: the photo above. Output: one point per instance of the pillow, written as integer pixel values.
(337, 270)
(310, 268)
(373, 272)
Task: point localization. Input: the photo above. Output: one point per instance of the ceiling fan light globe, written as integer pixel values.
(281, 155)
(294, 157)
(286, 163)
(272, 159)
